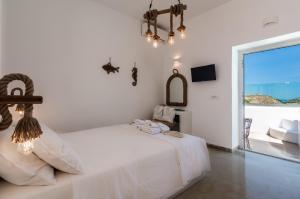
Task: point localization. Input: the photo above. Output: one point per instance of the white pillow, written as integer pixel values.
(289, 125)
(56, 152)
(158, 112)
(21, 169)
(168, 114)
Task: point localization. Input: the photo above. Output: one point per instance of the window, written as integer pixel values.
(272, 77)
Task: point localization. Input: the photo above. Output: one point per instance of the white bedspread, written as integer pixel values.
(122, 162)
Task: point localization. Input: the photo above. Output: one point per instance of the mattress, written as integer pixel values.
(123, 162)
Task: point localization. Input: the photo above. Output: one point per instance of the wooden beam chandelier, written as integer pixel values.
(28, 128)
(151, 17)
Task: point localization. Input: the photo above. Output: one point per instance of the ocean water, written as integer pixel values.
(282, 91)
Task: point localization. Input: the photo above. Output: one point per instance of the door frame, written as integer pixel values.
(238, 52)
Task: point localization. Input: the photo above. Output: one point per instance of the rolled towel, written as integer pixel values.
(163, 127)
(151, 130)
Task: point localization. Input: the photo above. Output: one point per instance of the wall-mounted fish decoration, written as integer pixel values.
(134, 75)
(109, 68)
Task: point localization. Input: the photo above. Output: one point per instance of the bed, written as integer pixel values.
(123, 162)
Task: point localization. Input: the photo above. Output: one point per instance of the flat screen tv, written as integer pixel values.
(203, 73)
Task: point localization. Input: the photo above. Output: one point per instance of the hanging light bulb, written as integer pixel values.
(182, 34)
(156, 38)
(171, 33)
(171, 40)
(155, 43)
(149, 38)
(20, 109)
(149, 33)
(182, 28)
(26, 147)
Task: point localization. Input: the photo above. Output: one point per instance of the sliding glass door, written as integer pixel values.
(272, 101)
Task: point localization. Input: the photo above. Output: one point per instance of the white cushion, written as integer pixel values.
(289, 125)
(158, 112)
(21, 169)
(285, 135)
(55, 151)
(168, 114)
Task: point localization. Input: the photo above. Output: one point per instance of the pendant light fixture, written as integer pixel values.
(171, 33)
(156, 38)
(151, 17)
(182, 28)
(149, 33)
(28, 128)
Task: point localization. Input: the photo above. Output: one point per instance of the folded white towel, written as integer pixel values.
(150, 127)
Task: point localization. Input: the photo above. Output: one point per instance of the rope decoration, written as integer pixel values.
(171, 18)
(28, 127)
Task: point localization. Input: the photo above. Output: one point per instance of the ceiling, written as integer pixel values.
(136, 8)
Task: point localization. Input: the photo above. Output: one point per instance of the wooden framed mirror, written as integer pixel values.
(176, 90)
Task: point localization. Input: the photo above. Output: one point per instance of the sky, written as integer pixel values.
(280, 65)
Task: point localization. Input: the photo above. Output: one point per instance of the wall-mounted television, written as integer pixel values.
(203, 73)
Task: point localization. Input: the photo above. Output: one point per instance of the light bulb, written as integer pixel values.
(149, 35)
(26, 147)
(155, 43)
(21, 113)
(171, 40)
(149, 38)
(182, 34)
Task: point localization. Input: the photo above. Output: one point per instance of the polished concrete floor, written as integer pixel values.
(247, 175)
(262, 143)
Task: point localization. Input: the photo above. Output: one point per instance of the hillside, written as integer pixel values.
(294, 101)
(261, 99)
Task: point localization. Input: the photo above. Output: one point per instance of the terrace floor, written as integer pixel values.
(265, 144)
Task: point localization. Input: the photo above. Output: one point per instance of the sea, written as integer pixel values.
(281, 91)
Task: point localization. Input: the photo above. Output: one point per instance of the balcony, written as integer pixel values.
(264, 138)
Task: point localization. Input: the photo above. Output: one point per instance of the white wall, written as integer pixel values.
(62, 45)
(210, 39)
(263, 117)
